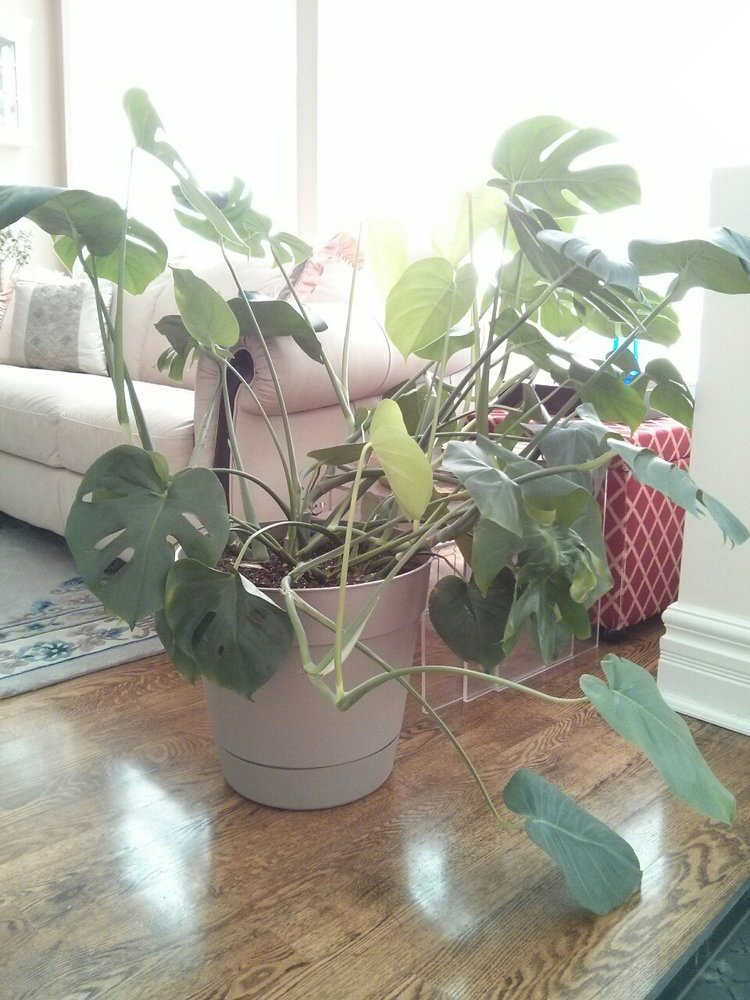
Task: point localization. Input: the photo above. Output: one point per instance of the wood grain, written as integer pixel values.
(128, 869)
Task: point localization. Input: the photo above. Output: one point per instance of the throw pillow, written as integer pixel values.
(55, 326)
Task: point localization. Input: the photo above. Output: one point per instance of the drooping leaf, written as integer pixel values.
(124, 522)
(579, 251)
(206, 315)
(720, 263)
(223, 628)
(675, 483)
(145, 259)
(632, 704)
(600, 868)
(496, 495)
(90, 220)
(536, 158)
(469, 622)
(429, 299)
(279, 318)
(405, 464)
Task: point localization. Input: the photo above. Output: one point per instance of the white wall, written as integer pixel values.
(704, 669)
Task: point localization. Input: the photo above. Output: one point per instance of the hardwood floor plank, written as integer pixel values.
(128, 869)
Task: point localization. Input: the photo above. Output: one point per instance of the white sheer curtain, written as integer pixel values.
(222, 78)
(413, 96)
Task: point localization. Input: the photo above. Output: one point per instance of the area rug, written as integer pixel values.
(51, 627)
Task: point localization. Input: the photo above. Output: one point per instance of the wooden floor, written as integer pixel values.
(128, 869)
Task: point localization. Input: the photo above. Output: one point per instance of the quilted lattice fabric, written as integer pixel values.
(642, 532)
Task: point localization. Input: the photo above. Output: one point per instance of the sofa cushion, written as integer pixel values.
(55, 325)
(68, 419)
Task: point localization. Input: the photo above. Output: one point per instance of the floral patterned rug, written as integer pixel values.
(51, 627)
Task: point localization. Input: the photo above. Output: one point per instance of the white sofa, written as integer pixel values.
(53, 423)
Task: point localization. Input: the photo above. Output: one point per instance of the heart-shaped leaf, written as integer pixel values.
(220, 626)
(615, 401)
(206, 315)
(600, 868)
(405, 464)
(535, 159)
(427, 301)
(632, 704)
(470, 623)
(127, 516)
(497, 497)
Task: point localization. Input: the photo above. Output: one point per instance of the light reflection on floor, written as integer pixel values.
(167, 855)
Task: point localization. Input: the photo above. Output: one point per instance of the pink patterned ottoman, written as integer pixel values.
(642, 532)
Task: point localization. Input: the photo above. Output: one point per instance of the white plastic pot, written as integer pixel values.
(289, 747)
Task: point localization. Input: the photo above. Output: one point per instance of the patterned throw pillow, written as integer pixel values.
(55, 326)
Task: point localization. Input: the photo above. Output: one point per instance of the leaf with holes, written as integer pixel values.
(126, 519)
(600, 868)
(220, 626)
(535, 159)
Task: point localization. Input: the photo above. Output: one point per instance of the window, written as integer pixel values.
(8, 85)
(332, 110)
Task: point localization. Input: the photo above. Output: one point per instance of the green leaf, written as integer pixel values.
(428, 299)
(632, 704)
(145, 259)
(469, 622)
(405, 464)
(496, 495)
(279, 318)
(600, 868)
(720, 263)
(90, 220)
(676, 484)
(535, 158)
(220, 626)
(614, 401)
(126, 517)
(207, 317)
(492, 549)
(611, 272)
(553, 493)
(341, 454)
(670, 394)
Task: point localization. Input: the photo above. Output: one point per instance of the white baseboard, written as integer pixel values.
(704, 666)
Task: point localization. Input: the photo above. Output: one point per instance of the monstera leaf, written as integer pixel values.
(218, 625)
(600, 868)
(535, 159)
(720, 263)
(126, 518)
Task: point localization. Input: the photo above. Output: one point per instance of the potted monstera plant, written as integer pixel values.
(476, 459)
